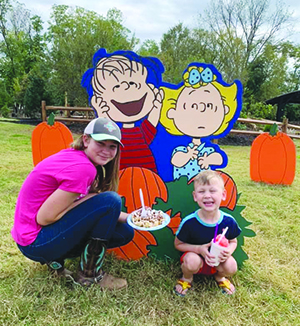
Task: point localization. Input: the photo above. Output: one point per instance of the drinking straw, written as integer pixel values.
(223, 234)
(216, 232)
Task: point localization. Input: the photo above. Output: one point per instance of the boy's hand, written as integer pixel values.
(209, 259)
(203, 250)
(224, 255)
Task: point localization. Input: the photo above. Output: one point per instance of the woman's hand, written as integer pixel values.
(123, 217)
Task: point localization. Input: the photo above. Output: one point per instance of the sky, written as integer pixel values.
(149, 19)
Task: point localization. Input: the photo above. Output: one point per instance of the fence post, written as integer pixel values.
(44, 114)
(284, 126)
(68, 113)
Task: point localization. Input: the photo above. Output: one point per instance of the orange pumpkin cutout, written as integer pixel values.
(49, 138)
(231, 191)
(134, 178)
(131, 180)
(136, 248)
(273, 158)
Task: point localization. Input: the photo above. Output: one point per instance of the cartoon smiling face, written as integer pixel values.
(199, 112)
(121, 83)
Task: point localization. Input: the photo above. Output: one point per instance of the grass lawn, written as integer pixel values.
(267, 285)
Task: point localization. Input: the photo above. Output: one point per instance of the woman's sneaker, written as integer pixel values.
(59, 270)
(105, 281)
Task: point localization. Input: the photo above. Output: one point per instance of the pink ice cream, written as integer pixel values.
(224, 242)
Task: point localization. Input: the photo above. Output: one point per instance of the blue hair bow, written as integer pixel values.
(205, 76)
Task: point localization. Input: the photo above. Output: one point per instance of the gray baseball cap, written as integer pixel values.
(103, 129)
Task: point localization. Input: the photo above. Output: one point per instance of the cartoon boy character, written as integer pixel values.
(201, 108)
(124, 88)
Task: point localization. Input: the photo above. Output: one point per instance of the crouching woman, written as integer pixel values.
(68, 207)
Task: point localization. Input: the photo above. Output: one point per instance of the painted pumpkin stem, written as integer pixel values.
(273, 129)
(50, 120)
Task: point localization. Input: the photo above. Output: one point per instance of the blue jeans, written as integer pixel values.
(96, 217)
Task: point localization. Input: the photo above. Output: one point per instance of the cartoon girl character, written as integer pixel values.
(202, 108)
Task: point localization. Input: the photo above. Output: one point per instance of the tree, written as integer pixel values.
(293, 80)
(4, 99)
(75, 34)
(149, 48)
(5, 46)
(181, 46)
(251, 21)
(229, 61)
(11, 43)
(267, 75)
(22, 47)
(34, 94)
(177, 51)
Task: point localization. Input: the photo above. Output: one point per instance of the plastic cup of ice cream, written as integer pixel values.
(215, 250)
(217, 247)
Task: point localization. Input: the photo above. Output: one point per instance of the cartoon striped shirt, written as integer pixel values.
(136, 151)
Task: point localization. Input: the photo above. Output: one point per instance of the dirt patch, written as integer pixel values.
(237, 140)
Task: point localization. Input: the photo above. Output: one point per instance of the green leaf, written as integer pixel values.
(123, 207)
(180, 197)
(273, 130)
(240, 256)
(50, 120)
(165, 245)
(249, 233)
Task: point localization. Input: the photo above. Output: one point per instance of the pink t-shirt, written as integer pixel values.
(68, 170)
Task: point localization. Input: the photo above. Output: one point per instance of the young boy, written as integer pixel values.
(196, 232)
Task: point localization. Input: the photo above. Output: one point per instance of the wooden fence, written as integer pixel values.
(86, 114)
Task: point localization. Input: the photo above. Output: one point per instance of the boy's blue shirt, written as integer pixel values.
(193, 230)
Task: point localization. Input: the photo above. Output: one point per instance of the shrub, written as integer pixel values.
(34, 94)
(239, 126)
(292, 112)
(267, 128)
(4, 111)
(259, 110)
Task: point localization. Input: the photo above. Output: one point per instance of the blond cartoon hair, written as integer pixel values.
(204, 178)
(228, 96)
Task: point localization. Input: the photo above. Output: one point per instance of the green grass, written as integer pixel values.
(267, 286)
